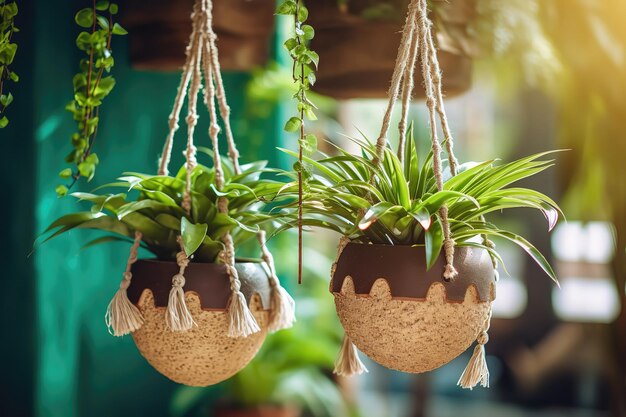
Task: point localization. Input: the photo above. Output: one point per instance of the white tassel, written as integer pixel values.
(348, 362)
(282, 308)
(241, 321)
(476, 372)
(177, 316)
(122, 317)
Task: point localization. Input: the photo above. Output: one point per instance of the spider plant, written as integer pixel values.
(398, 203)
(152, 205)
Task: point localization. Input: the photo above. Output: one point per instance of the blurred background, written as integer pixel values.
(522, 76)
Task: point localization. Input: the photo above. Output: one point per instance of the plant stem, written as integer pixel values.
(300, 142)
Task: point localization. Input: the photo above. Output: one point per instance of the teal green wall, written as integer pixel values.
(82, 370)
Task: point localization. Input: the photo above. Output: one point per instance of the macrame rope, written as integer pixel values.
(177, 316)
(192, 121)
(180, 94)
(396, 79)
(436, 75)
(407, 91)
(241, 320)
(123, 317)
(224, 108)
(425, 39)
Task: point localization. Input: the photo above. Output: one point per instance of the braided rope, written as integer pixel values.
(396, 79)
(180, 94)
(407, 91)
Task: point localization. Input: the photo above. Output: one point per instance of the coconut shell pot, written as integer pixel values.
(357, 55)
(405, 317)
(159, 32)
(204, 355)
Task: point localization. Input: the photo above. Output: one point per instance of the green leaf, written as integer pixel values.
(61, 190)
(14, 77)
(6, 99)
(286, 8)
(7, 53)
(66, 173)
(303, 14)
(434, 242)
(119, 30)
(4, 122)
(84, 18)
(192, 235)
(293, 124)
(308, 32)
(113, 9)
(291, 43)
(102, 5)
(102, 22)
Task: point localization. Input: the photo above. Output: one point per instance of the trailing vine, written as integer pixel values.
(8, 11)
(91, 86)
(305, 63)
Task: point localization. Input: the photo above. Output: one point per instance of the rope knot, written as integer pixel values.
(214, 130)
(178, 280)
(482, 338)
(182, 259)
(450, 273)
(192, 119)
(125, 283)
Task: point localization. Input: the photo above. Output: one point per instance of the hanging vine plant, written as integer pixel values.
(416, 270)
(8, 49)
(305, 62)
(91, 85)
(197, 313)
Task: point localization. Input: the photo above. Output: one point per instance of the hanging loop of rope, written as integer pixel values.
(417, 40)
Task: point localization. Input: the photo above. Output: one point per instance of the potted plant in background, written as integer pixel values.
(160, 30)
(404, 221)
(356, 41)
(208, 333)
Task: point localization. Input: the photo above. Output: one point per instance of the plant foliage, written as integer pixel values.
(400, 204)
(91, 86)
(151, 204)
(8, 49)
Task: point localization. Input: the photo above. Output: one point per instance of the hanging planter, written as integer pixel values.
(358, 46)
(401, 314)
(197, 314)
(416, 270)
(159, 31)
(204, 355)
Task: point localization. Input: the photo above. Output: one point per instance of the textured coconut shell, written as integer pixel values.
(404, 268)
(404, 317)
(204, 355)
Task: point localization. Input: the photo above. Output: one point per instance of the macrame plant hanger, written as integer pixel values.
(202, 60)
(417, 40)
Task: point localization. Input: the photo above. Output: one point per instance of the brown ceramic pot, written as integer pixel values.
(405, 317)
(204, 355)
(159, 32)
(260, 411)
(357, 56)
